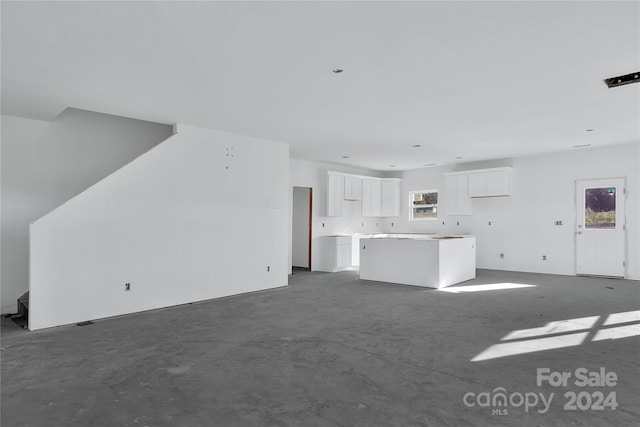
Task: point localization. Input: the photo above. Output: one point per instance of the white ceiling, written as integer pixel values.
(480, 80)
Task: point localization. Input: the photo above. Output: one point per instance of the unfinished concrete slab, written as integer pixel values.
(333, 350)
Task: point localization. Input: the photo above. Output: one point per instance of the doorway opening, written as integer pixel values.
(301, 232)
(600, 227)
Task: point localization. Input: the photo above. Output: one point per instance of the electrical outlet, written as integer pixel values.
(501, 255)
(559, 223)
(323, 225)
(544, 257)
(392, 224)
(268, 268)
(457, 222)
(489, 222)
(127, 286)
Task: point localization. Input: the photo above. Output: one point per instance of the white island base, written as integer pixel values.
(432, 262)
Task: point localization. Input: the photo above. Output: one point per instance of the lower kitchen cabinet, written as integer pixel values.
(334, 253)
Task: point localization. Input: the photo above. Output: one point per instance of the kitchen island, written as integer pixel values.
(430, 261)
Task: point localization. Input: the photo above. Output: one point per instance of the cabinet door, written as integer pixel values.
(478, 184)
(490, 184)
(352, 188)
(463, 201)
(343, 254)
(498, 183)
(451, 187)
(371, 197)
(458, 201)
(390, 200)
(335, 194)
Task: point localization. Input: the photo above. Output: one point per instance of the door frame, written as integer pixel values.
(309, 231)
(619, 214)
(310, 223)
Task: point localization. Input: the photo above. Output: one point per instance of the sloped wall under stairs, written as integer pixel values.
(202, 215)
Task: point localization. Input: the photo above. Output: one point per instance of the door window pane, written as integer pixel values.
(600, 208)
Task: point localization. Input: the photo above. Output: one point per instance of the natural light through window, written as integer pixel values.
(616, 333)
(565, 333)
(423, 204)
(561, 326)
(530, 346)
(482, 288)
(624, 317)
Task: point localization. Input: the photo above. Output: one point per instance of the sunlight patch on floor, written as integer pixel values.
(624, 317)
(530, 346)
(564, 333)
(617, 332)
(482, 288)
(569, 325)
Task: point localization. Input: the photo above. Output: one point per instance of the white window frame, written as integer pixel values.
(412, 206)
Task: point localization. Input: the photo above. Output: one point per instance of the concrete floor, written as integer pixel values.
(329, 350)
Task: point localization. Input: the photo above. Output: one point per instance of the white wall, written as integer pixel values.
(200, 216)
(523, 224)
(300, 228)
(312, 174)
(45, 164)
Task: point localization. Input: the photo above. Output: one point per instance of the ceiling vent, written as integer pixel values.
(623, 80)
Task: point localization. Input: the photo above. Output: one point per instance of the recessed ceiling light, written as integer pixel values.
(338, 71)
(589, 130)
(416, 146)
(345, 157)
(581, 145)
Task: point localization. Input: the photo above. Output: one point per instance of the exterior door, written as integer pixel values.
(600, 222)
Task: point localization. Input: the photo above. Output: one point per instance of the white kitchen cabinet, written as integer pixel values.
(390, 197)
(352, 188)
(355, 195)
(334, 253)
(457, 194)
(490, 182)
(371, 197)
(335, 194)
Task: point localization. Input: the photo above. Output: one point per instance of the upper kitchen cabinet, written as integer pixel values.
(457, 194)
(367, 196)
(352, 201)
(352, 188)
(335, 194)
(371, 197)
(490, 182)
(344, 194)
(390, 197)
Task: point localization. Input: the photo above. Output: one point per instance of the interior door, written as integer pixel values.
(600, 232)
